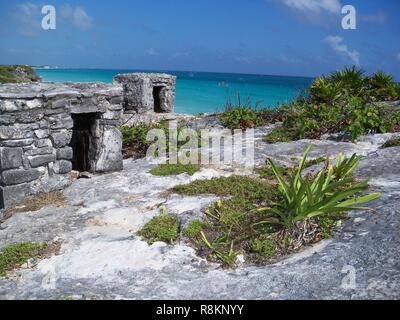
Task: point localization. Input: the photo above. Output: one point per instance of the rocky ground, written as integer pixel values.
(102, 258)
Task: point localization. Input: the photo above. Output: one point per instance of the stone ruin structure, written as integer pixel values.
(48, 130)
(148, 93)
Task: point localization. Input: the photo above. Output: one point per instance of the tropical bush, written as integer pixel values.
(330, 191)
(240, 118)
(134, 143)
(345, 101)
(134, 139)
(243, 118)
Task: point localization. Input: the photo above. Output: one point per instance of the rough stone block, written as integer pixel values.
(41, 160)
(43, 143)
(60, 122)
(12, 195)
(61, 139)
(112, 115)
(64, 153)
(60, 103)
(18, 176)
(117, 100)
(110, 158)
(42, 133)
(17, 143)
(30, 151)
(15, 132)
(10, 158)
(6, 119)
(62, 167)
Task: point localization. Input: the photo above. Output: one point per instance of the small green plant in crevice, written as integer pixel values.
(161, 228)
(163, 170)
(394, 142)
(194, 229)
(15, 255)
(264, 247)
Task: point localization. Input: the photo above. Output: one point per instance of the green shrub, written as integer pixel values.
(16, 255)
(134, 143)
(344, 101)
(240, 118)
(323, 194)
(162, 228)
(17, 74)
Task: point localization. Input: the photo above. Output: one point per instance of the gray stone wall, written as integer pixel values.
(36, 125)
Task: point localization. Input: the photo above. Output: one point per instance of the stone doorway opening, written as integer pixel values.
(82, 141)
(157, 90)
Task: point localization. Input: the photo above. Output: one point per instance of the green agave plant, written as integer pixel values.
(381, 80)
(331, 191)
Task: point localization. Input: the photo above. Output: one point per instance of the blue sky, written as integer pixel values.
(284, 37)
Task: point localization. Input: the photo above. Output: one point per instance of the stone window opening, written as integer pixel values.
(82, 141)
(157, 91)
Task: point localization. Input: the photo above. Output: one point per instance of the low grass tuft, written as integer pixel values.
(163, 170)
(15, 255)
(162, 228)
(194, 229)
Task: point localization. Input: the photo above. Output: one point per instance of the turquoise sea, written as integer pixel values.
(199, 92)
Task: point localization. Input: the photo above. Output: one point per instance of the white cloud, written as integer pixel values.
(314, 6)
(28, 19)
(151, 52)
(337, 44)
(77, 16)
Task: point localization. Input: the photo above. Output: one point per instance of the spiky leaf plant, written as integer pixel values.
(330, 191)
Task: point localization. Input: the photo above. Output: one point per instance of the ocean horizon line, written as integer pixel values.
(165, 71)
